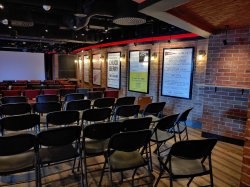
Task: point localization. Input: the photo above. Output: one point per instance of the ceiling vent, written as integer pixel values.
(21, 18)
(20, 23)
(128, 14)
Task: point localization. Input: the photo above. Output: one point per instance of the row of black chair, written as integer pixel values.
(125, 144)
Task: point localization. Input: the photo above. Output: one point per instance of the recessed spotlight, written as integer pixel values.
(9, 27)
(24, 43)
(74, 27)
(82, 34)
(1, 6)
(46, 30)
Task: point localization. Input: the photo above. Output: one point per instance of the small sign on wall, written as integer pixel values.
(114, 70)
(97, 72)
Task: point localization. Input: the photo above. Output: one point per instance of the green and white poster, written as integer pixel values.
(139, 71)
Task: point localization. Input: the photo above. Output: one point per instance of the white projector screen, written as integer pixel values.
(21, 66)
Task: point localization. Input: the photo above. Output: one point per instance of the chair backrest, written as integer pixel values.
(129, 100)
(31, 94)
(167, 122)
(62, 117)
(111, 93)
(13, 99)
(73, 96)
(136, 124)
(15, 108)
(183, 116)
(104, 102)
(143, 101)
(101, 131)
(47, 107)
(59, 136)
(96, 114)
(54, 86)
(102, 89)
(11, 93)
(50, 91)
(154, 109)
(79, 105)
(95, 95)
(193, 149)
(65, 91)
(126, 111)
(21, 88)
(47, 98)
(15, 144)
(20, 122)
(129, 141)
(83, 91)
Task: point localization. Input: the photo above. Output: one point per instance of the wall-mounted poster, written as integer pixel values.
(97, 73)
(139, 71)
(86, 65)
(114, 70)
(177, 72)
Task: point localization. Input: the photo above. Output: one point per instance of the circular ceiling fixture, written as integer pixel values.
(47, 7)
(1, 6)
(129, 21)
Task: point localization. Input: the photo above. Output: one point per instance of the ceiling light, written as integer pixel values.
(1, 6)
(46, 7)
(9, 27)
(82, 34)
(74, 27)
(5, 22)
(46, 30)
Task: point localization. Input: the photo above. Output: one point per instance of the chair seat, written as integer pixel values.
(19, 162)
(93, 147)
(57, 154)
(181, 127)
(126, 160)
(184, 167)
(162, 136)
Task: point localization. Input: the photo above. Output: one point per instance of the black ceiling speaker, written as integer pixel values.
(128, 13)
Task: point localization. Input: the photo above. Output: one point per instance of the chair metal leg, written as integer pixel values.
(110, 177)
(171, 181)
(133, 176)
(73, 168)
(82, 177)
(158, 179)
(85, 169)
(103, 170)
(189, 182)
(122, 177)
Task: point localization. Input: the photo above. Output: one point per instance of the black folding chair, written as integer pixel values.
(14, 109)
(17, 154)
(20, 122)
(95, 140)
(125, 112)
(181, 126)
(104, 102)
(186, 160)
(95, 115)
(59, 145)
(123, 153)
(62, 118)
(13, 99)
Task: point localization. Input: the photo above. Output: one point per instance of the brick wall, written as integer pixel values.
(245, 171)
(228, 67)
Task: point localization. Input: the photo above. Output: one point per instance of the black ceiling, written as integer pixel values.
(26, 26)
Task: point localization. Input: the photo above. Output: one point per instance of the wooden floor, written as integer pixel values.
(227, 159)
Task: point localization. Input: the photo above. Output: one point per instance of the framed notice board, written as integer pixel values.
(97, 72)
(177, 73)
(139, 71)
(114, 70)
